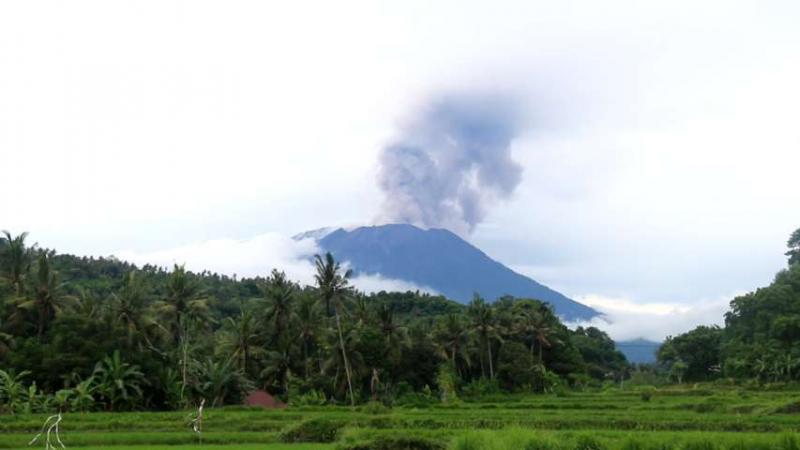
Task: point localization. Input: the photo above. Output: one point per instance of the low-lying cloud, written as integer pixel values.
(257, 256)
(624, 319)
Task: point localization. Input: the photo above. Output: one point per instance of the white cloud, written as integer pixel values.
(626, 319)
(257, 257)
(245, 258)
(377, 283)
(660, 161)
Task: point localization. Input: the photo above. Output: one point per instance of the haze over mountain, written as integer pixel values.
(440, 260)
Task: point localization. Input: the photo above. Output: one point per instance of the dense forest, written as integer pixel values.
(758, 342)
(82, 333)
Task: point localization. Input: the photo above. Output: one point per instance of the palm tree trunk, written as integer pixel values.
(346, 362)
(541, 346)
(40, 328)
(305, 359)
(491, 368)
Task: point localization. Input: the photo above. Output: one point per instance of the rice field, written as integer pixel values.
(692, 418)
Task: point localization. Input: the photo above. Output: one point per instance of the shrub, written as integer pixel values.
(481, 387)
(646, 395)
(375, 408)
(314, 430)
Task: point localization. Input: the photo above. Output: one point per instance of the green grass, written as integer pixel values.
(700, 418)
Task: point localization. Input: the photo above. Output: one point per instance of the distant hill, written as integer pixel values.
(639, 351)
(440, 260)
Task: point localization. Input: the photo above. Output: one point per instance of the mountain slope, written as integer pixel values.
(441, 260)
(639, 351)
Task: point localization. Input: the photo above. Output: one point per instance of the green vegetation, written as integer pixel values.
(675, 418)
(85, 334)
(125, 353)
(758, 343)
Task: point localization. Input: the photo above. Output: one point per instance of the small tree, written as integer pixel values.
(446, 379)
(678, 370)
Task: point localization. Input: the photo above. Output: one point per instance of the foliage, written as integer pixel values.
(314, 430)
(99, 333)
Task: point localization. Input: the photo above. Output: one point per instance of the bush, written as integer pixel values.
(647, 394)
(481, 387)
(314, 430)
(375, 408)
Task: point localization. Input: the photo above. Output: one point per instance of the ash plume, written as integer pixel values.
(450, 163)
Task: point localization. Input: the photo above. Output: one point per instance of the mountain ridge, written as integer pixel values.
(441, 260)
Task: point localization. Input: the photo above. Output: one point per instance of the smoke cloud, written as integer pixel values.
(451, 162)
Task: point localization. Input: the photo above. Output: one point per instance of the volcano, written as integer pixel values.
(440, 260)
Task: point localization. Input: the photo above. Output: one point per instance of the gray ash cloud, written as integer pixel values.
(451, 162)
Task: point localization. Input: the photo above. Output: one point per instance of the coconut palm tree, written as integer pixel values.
(307, 325)
(278, 369)
(336, 363)
(217, 379)
(239, 339)
(279, 294)
(185, 312)
(184, 300)
(17, 260)
(395, 336)
(535, 328)
(334, 288)
(452, 340)
(484, 327)
(47, 298)
(129, 307)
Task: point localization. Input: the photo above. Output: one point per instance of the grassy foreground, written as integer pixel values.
(699, 418)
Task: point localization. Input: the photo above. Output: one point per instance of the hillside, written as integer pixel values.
(442, 261)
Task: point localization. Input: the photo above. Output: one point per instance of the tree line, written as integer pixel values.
(82, 333)
(758, 342)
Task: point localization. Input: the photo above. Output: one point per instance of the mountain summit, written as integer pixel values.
(440, 260)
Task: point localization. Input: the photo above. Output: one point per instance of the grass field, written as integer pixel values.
(699, 418)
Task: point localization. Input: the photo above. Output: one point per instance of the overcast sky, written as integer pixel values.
(659, 152)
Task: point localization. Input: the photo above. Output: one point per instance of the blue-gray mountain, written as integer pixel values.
(639, 351)
(440, 260)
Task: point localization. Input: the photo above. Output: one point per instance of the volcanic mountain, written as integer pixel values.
(439, 260)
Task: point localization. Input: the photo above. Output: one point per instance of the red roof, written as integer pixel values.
(263, 399)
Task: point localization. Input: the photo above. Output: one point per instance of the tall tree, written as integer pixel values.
(452, 340)
(16, 260)
(334, 288)
(129, 307)
(47, 298)
(185, 311)
(279, 295)
(484, 327)
(307, 325)
(239, 339)
(794, 247)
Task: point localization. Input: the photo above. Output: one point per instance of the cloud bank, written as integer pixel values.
(257, 256)
(625, 319)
